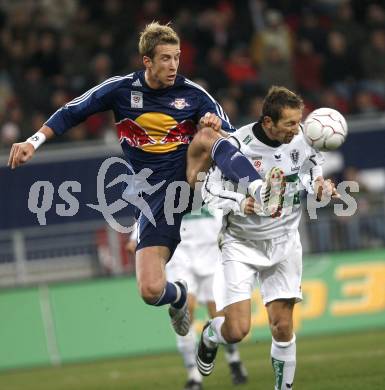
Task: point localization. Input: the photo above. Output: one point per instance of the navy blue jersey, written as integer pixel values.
(156, 121)
(154, 127)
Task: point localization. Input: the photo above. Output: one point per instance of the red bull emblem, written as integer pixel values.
(134, 134)
(183, 132)
(180, 103)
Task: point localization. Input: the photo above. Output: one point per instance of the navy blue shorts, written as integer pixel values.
(163, 204)
(168, 204)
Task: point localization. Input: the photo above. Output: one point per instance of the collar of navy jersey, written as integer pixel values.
(261, 136)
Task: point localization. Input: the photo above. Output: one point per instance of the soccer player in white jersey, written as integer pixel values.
(194, 261)
(259, 247)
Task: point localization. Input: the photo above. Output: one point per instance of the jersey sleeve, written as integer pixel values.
(217, 195)
(311, 169)
(208, 104)
(95, 100)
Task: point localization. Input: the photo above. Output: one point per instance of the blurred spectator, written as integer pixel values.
(311, 30)
(85, 37)
(341, 67)
(276, 69)
(373, 62)
(188, 60)
(46, 58)
(11, 130)
(212, 69)
(116, 18)
(184, 25)
(58, 99)
(329, 98)
(26, 87)
(274, 34)
(254, 110)
(58, 13)
(375, 18)
(101, 69)
(37, 120)
(230, 107)
(307, 68)
(6, 90)
(74, 71)
(239, 68)
(151, 10)
(364, 104)
(345, 24)
(78, 133)
(9, 134)
(364, 228)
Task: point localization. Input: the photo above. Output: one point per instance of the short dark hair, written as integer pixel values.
(156, 34)
(277, 99)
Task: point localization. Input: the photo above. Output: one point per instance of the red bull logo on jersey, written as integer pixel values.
(180, 103)
(183, 132)
(155, 132)
(134, 134)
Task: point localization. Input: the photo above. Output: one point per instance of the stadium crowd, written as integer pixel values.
(330, 51)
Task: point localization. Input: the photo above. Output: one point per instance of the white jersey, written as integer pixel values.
(300, 164)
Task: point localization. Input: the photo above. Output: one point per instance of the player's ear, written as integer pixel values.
(147, 62)
(267, 121)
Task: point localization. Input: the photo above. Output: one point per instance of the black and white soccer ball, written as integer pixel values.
(325, 129)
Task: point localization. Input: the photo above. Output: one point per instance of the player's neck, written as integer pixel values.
(269, 134)
(262, 134)
(151, 81)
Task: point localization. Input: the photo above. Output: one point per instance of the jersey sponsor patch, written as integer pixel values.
(247, 139)
(136, 99)
(257, 162)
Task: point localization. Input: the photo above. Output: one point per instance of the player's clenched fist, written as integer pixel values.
(23, 151)
(325, 188)
(20, 153)
(211, 120)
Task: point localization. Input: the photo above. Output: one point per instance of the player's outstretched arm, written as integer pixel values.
(22, 152)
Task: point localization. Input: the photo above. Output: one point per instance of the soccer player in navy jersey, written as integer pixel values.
(158, 115)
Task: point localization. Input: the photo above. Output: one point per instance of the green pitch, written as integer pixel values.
(343, 362)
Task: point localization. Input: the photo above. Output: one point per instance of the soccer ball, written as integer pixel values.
(325, 129)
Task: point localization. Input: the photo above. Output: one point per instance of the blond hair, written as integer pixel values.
(156, 34)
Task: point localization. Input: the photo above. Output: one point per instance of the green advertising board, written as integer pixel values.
(106, 318)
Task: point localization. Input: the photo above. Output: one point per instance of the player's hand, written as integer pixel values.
(324, 188)
(20, 153)
(248, 206)
(211, 120)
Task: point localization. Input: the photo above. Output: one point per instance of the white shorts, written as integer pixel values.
(235, 279)
(201, 286)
